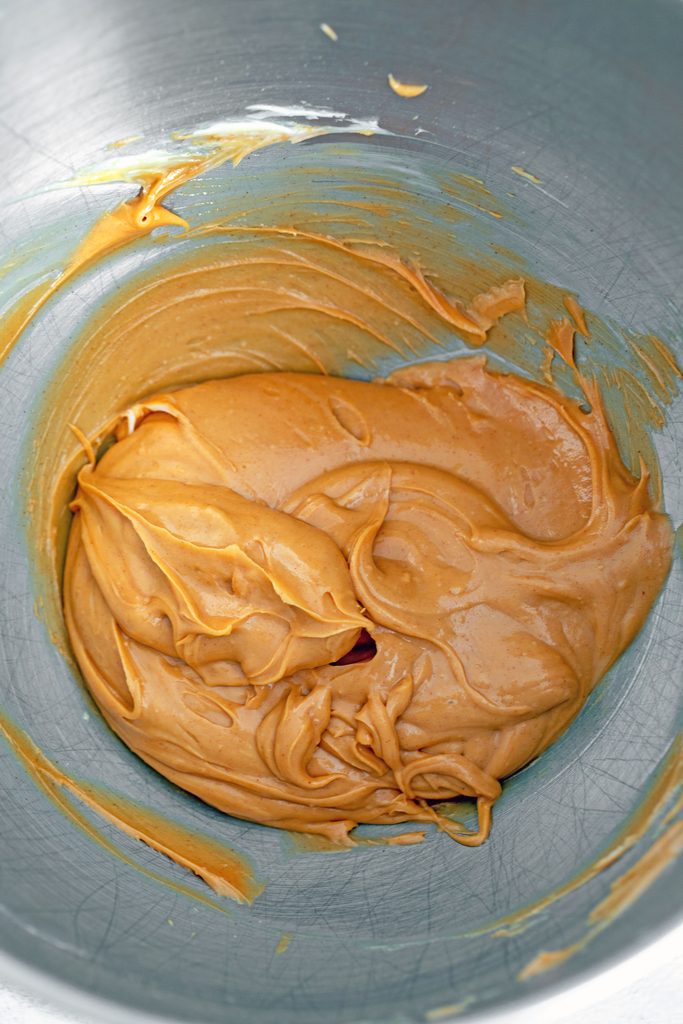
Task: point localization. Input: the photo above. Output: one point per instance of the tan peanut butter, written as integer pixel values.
(315, 602)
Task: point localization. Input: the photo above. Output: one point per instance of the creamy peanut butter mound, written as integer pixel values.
(315, 602)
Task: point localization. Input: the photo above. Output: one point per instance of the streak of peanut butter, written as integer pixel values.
(661, 803)
(624, 891)
(577, 314)
(216, 864)
(145, 212)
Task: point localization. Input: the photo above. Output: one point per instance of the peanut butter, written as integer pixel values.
(315, 602)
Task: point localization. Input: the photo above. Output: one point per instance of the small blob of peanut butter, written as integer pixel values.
(406, 89)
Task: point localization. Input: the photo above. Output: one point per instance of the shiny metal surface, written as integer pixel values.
(587, 94)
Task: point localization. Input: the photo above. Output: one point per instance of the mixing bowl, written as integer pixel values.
(566, 118)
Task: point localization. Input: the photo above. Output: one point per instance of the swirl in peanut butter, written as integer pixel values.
(315, 602)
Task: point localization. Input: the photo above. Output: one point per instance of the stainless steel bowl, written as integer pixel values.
(588, 96)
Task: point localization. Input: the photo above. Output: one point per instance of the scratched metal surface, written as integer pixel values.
(588, 94)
